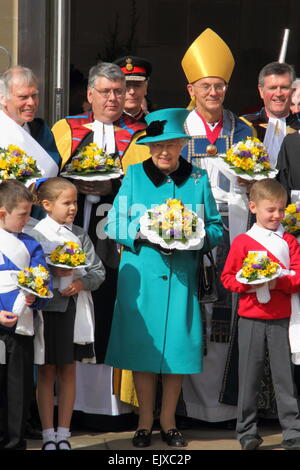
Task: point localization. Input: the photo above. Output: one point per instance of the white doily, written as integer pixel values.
(195, 242)
(227, 170)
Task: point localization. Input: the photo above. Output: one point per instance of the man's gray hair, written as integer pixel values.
(18, 73)
(107, 70)
(275, 68)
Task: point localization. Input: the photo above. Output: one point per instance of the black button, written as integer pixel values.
(164, 277)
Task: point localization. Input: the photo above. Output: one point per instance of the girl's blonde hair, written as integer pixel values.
(51, 189)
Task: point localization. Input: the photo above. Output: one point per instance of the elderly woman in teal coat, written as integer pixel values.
(157, 326)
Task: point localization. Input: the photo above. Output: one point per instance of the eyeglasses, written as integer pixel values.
(206, 87)
(118, 92)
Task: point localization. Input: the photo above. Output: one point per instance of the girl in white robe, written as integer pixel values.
(69, 320)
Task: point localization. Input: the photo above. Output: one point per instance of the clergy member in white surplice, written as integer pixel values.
(19, 100)
(208, 64)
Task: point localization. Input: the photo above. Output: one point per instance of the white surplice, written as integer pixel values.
(13, 133)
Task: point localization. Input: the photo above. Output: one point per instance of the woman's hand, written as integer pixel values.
(144, 241)
(29, 299)
(8, 319)
(73, 289)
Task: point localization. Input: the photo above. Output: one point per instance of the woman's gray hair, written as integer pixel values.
(106, 70)
(183, 141)
(296, 83)
(18, 74)
(275, 68)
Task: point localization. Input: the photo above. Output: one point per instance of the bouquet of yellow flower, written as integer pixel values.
(249, 157)
(259, 267)
(172, 220)
(16, 164)
(291, 221)
(92, 159)
(68, 255)
(35, 280)
(172, 225)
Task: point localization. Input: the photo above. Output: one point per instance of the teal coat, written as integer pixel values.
(157, 323)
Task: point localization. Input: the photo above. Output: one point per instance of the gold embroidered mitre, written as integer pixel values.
(208, 56)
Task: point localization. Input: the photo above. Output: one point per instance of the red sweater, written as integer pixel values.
(280, 304)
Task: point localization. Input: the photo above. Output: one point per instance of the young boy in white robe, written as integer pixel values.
(17, 252)
(265, 319)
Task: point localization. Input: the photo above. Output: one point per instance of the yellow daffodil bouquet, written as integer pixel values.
(173, 221)
(92, 160)
(16, 164)
(172, 225)
(291, 220)
(249, 157)
(258, 267)
(35, 280)
(69, 255)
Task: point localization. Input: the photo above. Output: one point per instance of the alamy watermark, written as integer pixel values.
(124, 218)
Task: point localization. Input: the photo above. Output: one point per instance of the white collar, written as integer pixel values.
(104, 136)
(195, 124)
(132, 115)
(280, 230)
(273, 118)
(55, 225)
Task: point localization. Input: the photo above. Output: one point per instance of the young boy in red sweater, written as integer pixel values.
(262, 323)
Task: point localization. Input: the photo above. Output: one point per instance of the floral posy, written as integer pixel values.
(172, 220)
(91, 159)
(36, 279)
(256, 267)
(69, 254)
(291, 221)
(16, 164)
(249, 156)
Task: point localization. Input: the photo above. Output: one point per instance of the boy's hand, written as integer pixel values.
(272, 284)
(73, 289)
(8, 319)
(29, 299)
